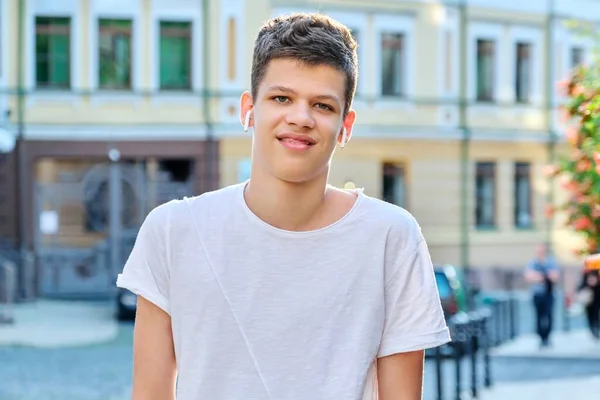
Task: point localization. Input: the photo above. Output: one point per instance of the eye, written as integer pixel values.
(324, 106)
(280, 99)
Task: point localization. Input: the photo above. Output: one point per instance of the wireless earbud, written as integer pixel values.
(247, 121)
(344, 138)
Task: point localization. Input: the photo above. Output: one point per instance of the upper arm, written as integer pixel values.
(154, 366)
(400, 376)
(414, 318)
(147, 274)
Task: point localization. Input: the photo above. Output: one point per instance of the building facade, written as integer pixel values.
(456, 107)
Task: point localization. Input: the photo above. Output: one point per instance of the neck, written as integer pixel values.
(285, 205)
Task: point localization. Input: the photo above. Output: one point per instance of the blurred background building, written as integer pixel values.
(116, 106)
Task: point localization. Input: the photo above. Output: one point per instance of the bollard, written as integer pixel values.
(474, 333)
(513, 329)
(485, 315)
(9, 272)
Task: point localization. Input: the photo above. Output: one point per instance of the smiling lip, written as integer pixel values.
(294, 141)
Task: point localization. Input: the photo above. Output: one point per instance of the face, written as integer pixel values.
(541, 252)
(297, 119)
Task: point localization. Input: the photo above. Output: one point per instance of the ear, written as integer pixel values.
(246, 105)
(348, 123)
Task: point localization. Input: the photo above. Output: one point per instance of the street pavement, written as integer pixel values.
(77, 351)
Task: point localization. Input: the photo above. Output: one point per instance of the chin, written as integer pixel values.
(294, 176)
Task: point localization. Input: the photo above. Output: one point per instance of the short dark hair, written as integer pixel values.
(312, 39)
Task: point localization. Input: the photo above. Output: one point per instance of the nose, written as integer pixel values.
(300, 115)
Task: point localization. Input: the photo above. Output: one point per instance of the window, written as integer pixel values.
(522, 193)
(523, 73)
(485, 191)
(175, 55)
(485, 70)
(52, 52)
(393, 70)
(394, 184)
(577, 54)
(114, 54)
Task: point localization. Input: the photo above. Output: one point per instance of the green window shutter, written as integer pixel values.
(59, 61)
(175, 57)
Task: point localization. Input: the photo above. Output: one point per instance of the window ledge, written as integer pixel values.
(51, 96)
(177, 96)
(486, 228)
(104, 96)
(392, 102)
(530, 228)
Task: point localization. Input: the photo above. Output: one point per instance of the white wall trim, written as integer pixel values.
(533, 36)
(235, 9)
(61, 8)
(448, 114)
(116, 132)
(450, 25)
(118, 10)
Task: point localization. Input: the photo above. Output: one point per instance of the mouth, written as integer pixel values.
(295, 141)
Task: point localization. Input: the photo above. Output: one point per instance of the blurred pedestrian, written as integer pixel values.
(542, 275)
(588, 293)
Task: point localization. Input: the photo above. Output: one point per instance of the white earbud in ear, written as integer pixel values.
(247, 121)
(344, 138)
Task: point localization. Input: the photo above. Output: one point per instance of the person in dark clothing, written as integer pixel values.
(591, 282)
(542, 274)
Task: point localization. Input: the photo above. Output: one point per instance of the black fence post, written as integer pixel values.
(461, 344)
(439, 374)
(485, 345)
(473, 348)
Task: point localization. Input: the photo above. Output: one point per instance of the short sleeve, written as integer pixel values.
(414, 316)
(146, 272)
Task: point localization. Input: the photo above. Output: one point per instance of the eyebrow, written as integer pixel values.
(278, 88)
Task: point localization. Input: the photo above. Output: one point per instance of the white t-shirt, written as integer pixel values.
(260, 313)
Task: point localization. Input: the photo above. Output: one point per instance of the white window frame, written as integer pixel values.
(403, 24)
(485, 31)
(534, 37)
(176, 12)
(113, 9)
(60, 8)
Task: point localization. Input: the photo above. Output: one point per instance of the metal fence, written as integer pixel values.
(474, 334)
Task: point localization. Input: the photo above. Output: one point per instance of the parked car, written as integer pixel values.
(451, 290)
(126, 305)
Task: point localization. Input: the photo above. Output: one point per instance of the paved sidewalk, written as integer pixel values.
(576, 389)
(52, 324)
(577, 344)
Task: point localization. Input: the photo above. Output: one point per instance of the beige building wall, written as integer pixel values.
(416, 130)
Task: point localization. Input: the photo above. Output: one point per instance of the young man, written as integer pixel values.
(542, 274)
(285, 288)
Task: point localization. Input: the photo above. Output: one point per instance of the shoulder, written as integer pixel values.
(403, 235)
(398, 221)
(178, 213)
